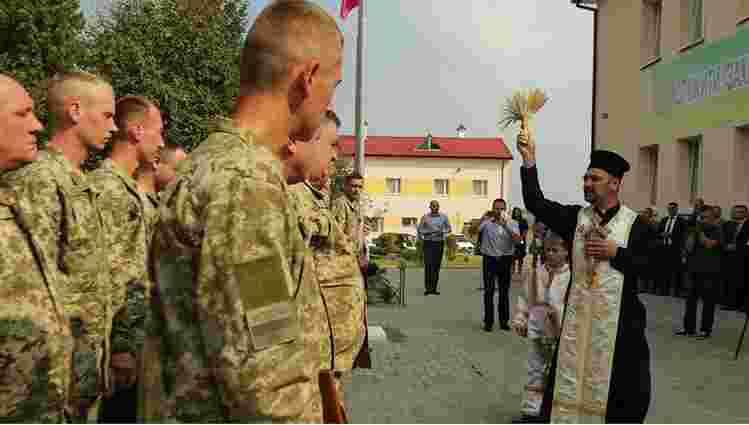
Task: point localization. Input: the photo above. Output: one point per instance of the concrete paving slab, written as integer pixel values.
(439, 366)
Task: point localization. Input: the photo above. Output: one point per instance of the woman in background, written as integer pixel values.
(520, 247)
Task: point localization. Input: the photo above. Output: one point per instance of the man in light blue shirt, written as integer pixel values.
(498, 235)
(432, 230)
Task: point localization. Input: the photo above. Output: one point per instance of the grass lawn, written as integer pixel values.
(461, 261)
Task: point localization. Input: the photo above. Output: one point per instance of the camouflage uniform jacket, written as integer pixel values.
(123, 207)
(151, 208)
(235, 289)
(35, 341)
(150, 393)
(61, 211)
(348, 215)
(337, 270)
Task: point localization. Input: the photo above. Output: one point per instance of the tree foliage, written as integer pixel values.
(39, 37)
(183, 56)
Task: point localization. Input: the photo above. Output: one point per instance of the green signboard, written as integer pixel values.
(705, 87)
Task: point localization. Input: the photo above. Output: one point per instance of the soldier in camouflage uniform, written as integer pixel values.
(35, 341)
(234, 276)
(346, 209)
(336, 265)
(138, 142)
(62, 215)
(151, 179)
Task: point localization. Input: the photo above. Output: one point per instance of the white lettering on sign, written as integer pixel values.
(725, 76)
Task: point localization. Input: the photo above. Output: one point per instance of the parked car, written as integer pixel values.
(374, 249)
(394, 242)
(464, 245)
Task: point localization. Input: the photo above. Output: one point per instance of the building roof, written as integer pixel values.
(449, 147)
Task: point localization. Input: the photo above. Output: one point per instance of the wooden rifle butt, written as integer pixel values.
(333, 411)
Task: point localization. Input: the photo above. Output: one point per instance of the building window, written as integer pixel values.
(691, 21)
(743, 10)
(441, 187)
(409, 221)
(651, 31)
(376, 224)
(649, 172)
(694, 149)
(480, 188)
(393, 186)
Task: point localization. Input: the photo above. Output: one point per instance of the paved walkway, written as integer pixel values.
(438, 366)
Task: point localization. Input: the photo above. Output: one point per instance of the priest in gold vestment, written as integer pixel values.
(601, 370)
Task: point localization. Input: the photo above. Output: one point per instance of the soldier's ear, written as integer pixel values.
(292, 147)
(138, 132)
(289, 150)
(74, 110)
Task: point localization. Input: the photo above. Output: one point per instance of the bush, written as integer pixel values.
(452, 247)
(184, 58)
(410, 255)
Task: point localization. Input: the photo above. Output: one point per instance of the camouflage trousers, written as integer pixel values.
(35, 365)
(90, 371)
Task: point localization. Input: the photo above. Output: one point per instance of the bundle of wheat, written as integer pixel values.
(521, 106)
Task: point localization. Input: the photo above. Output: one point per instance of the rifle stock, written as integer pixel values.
(333, 411)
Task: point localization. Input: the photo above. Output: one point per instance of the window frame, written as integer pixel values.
(446, 187)
(742, 12)
(657, 7)
(687, 41)
(377, 224)
(485, 187)
(387, 185)
(695, 166)
(413, 220)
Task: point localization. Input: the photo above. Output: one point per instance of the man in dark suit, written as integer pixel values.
(736, 234)
(672, 231)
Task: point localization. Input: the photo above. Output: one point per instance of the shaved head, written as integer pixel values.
(82, 103)
(18, 125)
(285, 33)
(74, 84)
(8, 85)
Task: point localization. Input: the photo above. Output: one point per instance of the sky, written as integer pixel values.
(433, 64)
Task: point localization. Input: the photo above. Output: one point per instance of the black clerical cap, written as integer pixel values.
(610, 162)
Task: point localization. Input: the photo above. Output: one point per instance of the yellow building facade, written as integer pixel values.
(401, 180)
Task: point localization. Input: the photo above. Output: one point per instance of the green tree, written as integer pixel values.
(182, 56)
(37, 38)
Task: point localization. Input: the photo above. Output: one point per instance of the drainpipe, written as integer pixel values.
(595, 70)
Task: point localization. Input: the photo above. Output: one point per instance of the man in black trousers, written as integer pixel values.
(736, 233)
(498, 235)
(672, 231)
(432, 231)
(612, 247)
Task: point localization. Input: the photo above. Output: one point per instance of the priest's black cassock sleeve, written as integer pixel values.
(629, 393)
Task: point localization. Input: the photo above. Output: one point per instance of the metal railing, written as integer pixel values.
(402, 283)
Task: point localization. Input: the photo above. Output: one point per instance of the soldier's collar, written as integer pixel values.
(119, 172)
(317, 192)
(226, 125)
(79, 178)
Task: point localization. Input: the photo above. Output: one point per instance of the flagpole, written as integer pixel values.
(359, 160)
